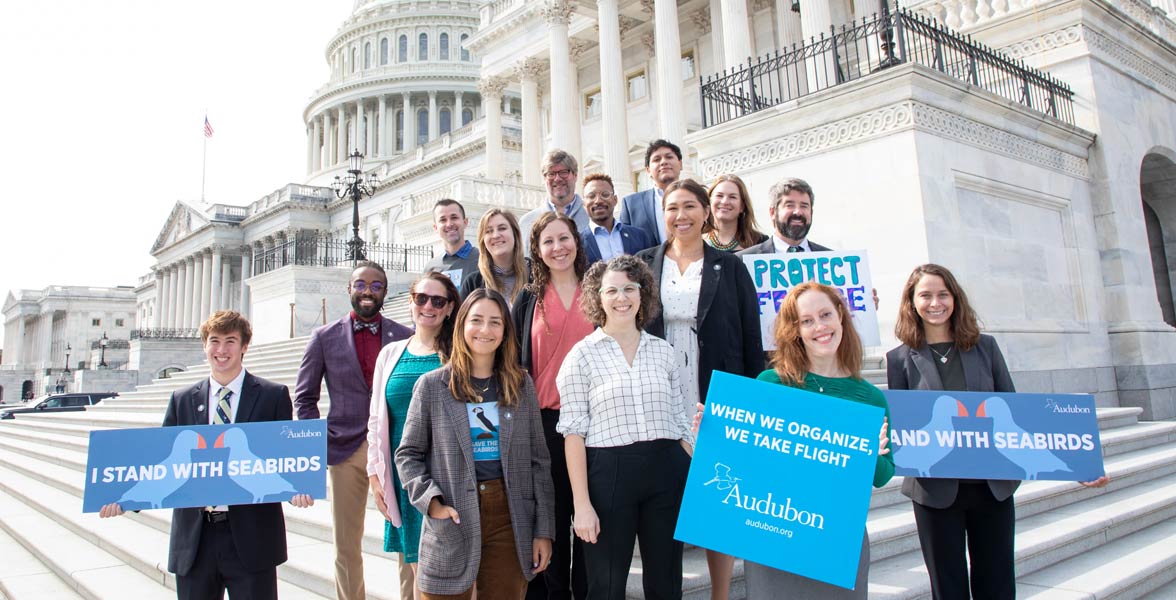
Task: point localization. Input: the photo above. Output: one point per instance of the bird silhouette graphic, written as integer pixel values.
(1034, 462)
(480, 414)
(923, 458)
(722, 479)
(259, 485)
(153, 491)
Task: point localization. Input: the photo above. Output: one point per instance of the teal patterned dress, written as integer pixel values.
(406, 538)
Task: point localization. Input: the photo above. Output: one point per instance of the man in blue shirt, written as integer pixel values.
(460, 257)
(606, 237)
(559, 175)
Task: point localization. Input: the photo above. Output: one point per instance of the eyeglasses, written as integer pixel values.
(558, 174)
(630, 289)
(374, 287)
(423, 299)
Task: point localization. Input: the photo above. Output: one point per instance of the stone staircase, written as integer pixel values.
(1071, 542)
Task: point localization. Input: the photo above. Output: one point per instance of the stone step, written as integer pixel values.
(1164, 592)
(23, 577)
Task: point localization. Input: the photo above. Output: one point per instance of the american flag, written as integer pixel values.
(207, 127)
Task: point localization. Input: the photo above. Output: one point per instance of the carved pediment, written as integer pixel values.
(182, 221)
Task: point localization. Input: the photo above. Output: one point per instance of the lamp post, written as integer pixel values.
(355, 185)
(67, 351)
(102, 349)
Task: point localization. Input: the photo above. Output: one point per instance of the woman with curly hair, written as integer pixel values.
(627, 440)
(549, 322)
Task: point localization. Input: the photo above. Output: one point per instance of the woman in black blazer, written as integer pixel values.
(943, 349)
(714, 328)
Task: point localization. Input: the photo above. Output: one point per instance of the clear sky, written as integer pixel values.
(104, 104)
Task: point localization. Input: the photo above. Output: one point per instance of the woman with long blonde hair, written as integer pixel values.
(502, 266)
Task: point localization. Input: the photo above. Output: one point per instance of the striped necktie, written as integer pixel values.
(224, 410)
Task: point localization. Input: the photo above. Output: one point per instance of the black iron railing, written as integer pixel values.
(165, 334)
(328, 251)
(876, 43)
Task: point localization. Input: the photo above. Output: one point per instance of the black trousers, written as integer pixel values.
(636, 491)
(567, 550)
(217, 567)
(985, 527)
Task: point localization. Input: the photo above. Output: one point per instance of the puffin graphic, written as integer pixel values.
(479, 412)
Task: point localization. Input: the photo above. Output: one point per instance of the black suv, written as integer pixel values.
(58, 403)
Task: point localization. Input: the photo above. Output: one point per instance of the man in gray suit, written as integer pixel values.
(559, 175)
(663, 163)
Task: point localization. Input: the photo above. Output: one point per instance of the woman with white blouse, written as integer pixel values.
(628, 442)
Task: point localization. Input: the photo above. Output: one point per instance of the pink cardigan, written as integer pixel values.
(379, 448)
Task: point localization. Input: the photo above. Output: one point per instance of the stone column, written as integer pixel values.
(17, 354)
(788, 24)
(309, 148)
(528, 70)
(455, 119)
(409, 123)
(357, 143)
(316, 158)
(183, 295)
(435, 117)
(246, 269)
(671, 109)
(328, 137)
(612, 96)
(206, 294)
(715, 9)
(815, 20)
(382, 127)
(45, 327)
(341, 138)
(155, 314)
(226, 287)
(169, 308)
(198, 291)
(214, 276)
(558, 14)
(736, 33)
(491, 90)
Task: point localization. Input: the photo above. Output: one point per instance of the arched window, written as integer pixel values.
(354, 63)
(444, 41)
(465, 53)
(367, 55)
(384, 51)
(446, 121)
(400, 131)
(402, 49)
(423, 47)
(422, 129)
(467, 115)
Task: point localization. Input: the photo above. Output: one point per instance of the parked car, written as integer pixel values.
(58, 403)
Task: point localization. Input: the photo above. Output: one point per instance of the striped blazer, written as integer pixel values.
(436, 458)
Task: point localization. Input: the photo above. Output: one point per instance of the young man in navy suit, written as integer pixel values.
(663, 163)
(236, 547)
(344, 352)
(606, 237)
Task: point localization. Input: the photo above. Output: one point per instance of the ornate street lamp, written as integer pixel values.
(67, 351)
(355, 186)
(102, 352)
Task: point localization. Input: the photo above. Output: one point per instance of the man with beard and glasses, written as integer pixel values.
(559, 176)
(344, 352)
(663, 163)
(607, 237)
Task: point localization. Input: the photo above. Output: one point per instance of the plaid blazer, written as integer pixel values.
(436, 458)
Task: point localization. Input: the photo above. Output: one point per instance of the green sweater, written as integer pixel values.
(847, 388)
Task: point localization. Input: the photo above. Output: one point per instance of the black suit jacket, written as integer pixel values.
(727, 323)
(522, 312)
(259, 530)
(984, 371)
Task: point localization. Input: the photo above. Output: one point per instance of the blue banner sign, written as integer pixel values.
(985, 435)
(782, 477)
(206, 465)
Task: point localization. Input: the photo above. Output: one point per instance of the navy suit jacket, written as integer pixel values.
(640, 210)
(258, 530)
(634, 240)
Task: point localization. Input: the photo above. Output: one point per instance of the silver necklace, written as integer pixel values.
(942, 357)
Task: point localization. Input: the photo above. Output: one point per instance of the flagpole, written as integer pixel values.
(203, 168)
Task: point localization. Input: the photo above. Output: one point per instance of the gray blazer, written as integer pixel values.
(769, 247)
(436, 458)
(984, 371)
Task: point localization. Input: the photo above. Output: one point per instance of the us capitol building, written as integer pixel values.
(1028, 145)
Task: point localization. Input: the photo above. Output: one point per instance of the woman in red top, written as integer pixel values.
(549, 322)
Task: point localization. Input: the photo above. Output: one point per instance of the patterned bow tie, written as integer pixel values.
(373, 327)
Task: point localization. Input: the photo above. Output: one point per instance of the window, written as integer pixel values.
(400, 130)
(592, 104)
(465, 54)
(444, 41)
(95, 322)
(422, 130)
(367, 55)
(354, 62)
(402, 49)
(384, 51)
(446, 120)
(119, 323)
(688, 71)
(638, 86)
(423, 47)
(467, 115)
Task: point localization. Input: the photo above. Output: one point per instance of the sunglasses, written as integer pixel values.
(423, 299)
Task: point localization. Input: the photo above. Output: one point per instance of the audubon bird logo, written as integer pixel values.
(722, 479)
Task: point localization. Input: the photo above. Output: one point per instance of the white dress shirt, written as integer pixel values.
(658, 195)
(782, 246)
(214, 388)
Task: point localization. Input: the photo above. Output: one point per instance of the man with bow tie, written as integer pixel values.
(344, 352)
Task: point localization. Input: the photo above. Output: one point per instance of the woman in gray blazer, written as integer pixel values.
(474, 462)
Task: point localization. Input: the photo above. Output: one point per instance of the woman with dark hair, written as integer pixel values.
(501, 264)
(473, 460)
(818, 350)
(549, 322)
(943, 349)
(735, 227)
(628, 441)
(398, 366)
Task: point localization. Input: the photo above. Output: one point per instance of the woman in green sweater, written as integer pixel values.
(818, 349)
